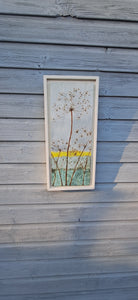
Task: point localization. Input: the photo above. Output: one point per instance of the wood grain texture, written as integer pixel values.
(117, 130)
(80, 32)
(31, 82)
(68, 250)
(21, 106)
(37, 194)
(24, 173)
(68, 232)
(58, 57)
(33, 130)
(117, 152)
(67, 267)
(106, 294)
(68, 245)
(34, 152)
(69, 213)
(22, 129)
(118, 108)
(22, 152)
(107, 9)
(32, 106)
(67, 284)
(112, 172)
(35, 173)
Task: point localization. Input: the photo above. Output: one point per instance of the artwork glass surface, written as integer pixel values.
(70, 113)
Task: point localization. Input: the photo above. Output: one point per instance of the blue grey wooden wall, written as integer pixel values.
(77, 245)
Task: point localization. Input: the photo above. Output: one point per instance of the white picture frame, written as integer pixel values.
(71, 116)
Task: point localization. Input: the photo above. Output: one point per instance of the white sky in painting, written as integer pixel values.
(60, 128)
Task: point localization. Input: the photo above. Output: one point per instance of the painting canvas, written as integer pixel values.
(71, 108)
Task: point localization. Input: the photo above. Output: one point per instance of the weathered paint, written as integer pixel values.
(78, 245)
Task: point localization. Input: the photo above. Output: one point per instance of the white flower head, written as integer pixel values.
(75, 101)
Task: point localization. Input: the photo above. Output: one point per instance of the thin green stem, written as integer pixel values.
(71, 129)
(84, 171)
(57, 168)
(77, 164)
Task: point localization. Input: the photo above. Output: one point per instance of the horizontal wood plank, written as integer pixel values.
(21, 106)
(80, 32)
(33, 130)
(68, 232)
(31, 82)
(68, 284)
(21, 129)
(68, 213)
(34, 152)
(106, 294)
(118, 108)
(64, 250)
(37, 194)
(22, 152)
(76, 8)
(112, 172)
(117, 130)
(35, 173)
(24, 173)
(32, 106)
(66, 267)
(34, 56)
(117, 152)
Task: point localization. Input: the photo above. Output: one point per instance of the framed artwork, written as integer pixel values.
(71, 111)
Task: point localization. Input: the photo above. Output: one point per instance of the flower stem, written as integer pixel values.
(56, 162)
(84, 171)
(71, 129)
(57, 168)
(77, 164)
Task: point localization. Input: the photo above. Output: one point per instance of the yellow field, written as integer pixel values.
(70, 154)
